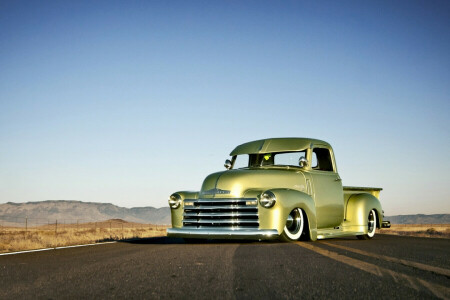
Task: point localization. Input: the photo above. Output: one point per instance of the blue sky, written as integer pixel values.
(127, 102)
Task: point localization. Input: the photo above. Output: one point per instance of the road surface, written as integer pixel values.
(387, 266)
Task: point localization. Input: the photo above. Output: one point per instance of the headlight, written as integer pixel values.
(267, 199)
(174, 201)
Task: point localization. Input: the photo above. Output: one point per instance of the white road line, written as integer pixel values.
(56, 248)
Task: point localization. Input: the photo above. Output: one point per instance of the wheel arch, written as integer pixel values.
(177, 213)
(287, 200)
(358, 207)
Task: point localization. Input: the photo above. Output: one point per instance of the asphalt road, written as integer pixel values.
(387, 267)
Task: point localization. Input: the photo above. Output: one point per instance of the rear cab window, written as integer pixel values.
(321, 160)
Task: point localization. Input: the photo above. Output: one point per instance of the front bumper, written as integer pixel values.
(251, 234)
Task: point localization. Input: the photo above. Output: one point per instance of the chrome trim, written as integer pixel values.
(228, 164)
(267, 199)
(220, 214)
(223, 233)
(216, 191)
(174, 201)
(302, 162)
(228, 207)
(219, 221)
(220, 200)
(386, 224)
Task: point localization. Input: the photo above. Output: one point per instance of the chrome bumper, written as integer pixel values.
(386, 224)
(251, 234)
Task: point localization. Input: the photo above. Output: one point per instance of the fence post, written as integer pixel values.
(122, 230)
(110, 235)
(77, 225)
(56, 227)
(26, 224)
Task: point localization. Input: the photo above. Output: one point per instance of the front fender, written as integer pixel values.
(358, 208)
(287, 199)
(177, 213)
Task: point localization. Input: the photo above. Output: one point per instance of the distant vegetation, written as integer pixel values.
(419, 230)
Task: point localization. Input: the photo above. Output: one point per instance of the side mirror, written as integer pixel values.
(303, 162)
(227, 164)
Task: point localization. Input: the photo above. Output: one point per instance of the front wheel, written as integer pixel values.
(294, 227)
(371, 226)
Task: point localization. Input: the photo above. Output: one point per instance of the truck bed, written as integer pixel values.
(349, 190)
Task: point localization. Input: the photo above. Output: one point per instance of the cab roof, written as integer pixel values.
(277, 145)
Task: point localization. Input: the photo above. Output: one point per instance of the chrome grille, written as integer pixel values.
(221, 213)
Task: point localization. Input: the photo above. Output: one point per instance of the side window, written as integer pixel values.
(241, 161)
(321, 159)
(314, 164)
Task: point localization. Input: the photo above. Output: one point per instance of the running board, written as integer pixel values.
(333, 233)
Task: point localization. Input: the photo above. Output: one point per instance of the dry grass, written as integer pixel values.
(50, 236)
(419, 230)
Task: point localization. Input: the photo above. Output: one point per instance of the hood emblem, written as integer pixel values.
(216, 192)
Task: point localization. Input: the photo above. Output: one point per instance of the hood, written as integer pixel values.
(248, 182)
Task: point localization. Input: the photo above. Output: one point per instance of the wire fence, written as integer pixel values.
(59, 225)
(23, 233)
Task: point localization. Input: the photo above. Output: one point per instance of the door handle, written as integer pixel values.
(338, 179)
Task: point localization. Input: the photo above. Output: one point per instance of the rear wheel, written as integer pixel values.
(294, 227)
(371, 226)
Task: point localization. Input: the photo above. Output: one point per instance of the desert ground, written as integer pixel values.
(17, 238)
(419, 230)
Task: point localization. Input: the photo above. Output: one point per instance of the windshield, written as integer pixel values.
(268, 159)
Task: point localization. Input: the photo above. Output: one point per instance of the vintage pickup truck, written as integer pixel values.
(285, 188)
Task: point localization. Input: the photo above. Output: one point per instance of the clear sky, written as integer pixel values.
(126, 102)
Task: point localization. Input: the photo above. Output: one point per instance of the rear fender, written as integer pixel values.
(287, 199)
(358, 208)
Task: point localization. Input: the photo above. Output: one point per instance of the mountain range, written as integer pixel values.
(419, 219)
(73, 211)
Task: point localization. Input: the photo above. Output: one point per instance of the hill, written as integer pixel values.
(419, 219)
(83, 211)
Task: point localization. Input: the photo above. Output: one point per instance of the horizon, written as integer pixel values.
(125, 103)
(90, 202)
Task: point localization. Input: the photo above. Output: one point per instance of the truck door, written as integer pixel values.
(327, 188)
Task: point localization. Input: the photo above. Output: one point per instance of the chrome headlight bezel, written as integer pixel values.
(174, 201)
(267, 199)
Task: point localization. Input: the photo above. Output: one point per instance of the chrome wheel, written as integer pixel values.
(372, 225)
(294, 225)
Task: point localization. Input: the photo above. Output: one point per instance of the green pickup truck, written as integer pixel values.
(280, 188)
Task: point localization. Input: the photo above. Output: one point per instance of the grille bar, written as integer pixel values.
(220, 207)
(220, 221)
(222, 200)
(221, 213)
